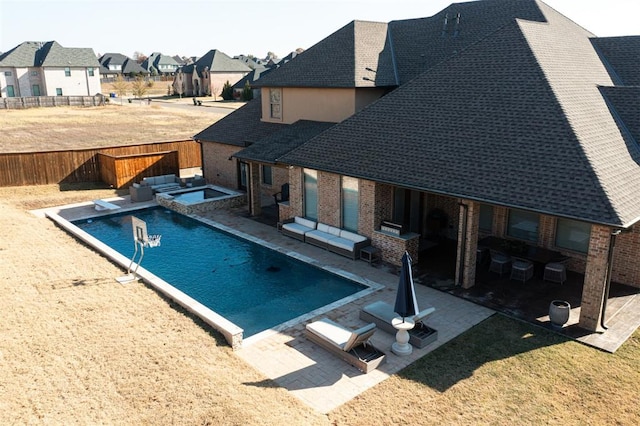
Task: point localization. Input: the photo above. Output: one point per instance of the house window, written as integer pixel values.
(267, 175)
(523, 225)
(573, 235)
(58, 91)
(34, 73)
(350, 205)
(10, 92)
(7, 73)
(90, 71)
(35, 90)
(275, 99)
(311, 194)
(67, 72)
(486, 218)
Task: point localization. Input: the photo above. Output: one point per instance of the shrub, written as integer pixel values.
(227, 91)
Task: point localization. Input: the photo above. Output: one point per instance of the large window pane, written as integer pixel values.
(267, 175)
(523, 225)
(486, 218)
(311, 194)
(350, 203)
(573, 235)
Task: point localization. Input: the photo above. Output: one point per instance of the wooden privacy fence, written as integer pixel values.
(76, 166)
(50, 101)
(123, 170)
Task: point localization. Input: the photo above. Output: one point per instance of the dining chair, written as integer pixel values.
(500, 262)
(521, 270)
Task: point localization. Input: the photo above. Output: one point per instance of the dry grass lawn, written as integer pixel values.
(62, 128)
(78, 348)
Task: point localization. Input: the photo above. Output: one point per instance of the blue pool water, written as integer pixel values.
(253, 286)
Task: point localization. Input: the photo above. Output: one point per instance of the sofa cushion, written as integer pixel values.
(356, 238)
(342, 243)
(296, 228)
(334, 231)
(323, 227)
(305, 222)
(319, 236)
(167, 178)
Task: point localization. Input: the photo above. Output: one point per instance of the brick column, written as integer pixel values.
(467, 243)
(255, 202)
(595, 276)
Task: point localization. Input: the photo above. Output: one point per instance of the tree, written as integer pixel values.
(120, 87)
(247, 93)
(139, 57)
(139, 87)
(227, 91)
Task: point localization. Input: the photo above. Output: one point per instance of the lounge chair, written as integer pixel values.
(350, 345)
(381, 314)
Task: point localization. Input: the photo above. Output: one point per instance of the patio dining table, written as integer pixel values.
(540, 256)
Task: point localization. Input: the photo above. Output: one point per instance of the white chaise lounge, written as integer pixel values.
(381, 314)
(351, 345)
(104, 205)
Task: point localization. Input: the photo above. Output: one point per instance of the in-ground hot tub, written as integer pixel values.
(201, 199)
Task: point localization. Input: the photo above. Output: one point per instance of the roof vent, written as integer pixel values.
(451, 27)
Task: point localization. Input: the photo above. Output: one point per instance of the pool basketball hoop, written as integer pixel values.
(140, 240)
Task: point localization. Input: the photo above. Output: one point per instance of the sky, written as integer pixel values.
(249, 27)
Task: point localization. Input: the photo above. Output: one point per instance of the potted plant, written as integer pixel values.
(559, 311)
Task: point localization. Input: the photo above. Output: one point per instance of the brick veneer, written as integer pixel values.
(594, 278)
(469, 241)
(216, 166)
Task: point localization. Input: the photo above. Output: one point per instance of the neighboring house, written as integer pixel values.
(208, 74)
(160, 64)
(504, 117)
(48, 69)
(257, 73)
(115, 64)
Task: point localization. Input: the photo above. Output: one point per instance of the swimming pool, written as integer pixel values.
(252, 286)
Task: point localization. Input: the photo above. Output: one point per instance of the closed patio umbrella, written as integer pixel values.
(406, 303)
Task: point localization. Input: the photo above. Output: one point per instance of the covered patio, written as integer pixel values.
(529, 301)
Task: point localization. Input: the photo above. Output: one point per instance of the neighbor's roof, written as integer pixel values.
(218, 61)
(270, 148)
(515, 119)
(48, 54)
(128, 65)
(241, 128)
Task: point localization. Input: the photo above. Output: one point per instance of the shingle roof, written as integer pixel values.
(241, 128)
(270, 148)
(516, 119)
(49, 54)
(127, 64)
(253, 76)
(218, 61)
(356, 55)
(624, 103)
(622, 55)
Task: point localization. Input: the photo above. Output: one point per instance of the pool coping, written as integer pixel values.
(232, 333)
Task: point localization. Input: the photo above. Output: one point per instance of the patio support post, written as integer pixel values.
(595, 278)
(254, 196)
(467, 243)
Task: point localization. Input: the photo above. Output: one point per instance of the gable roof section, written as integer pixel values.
(516, 120)
(127, 64)
(49, 54)
(240, 128)
(218, 61)
(357, 55)
(270, 148)
(622, 57)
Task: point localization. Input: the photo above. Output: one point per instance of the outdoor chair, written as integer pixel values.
(500, 262)
(555, 272)
(351, 345)
(283, 195)
(521, 270)
(381, 314)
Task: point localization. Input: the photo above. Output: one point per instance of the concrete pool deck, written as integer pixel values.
(315, 376)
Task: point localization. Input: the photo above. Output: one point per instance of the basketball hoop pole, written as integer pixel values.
(140, 240)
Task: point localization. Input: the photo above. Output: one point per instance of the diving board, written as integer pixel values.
(104, 205)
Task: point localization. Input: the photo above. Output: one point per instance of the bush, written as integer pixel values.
(247, 93)
(227, 91)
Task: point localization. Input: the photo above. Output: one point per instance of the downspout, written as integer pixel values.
(463, 249)
(612, 244)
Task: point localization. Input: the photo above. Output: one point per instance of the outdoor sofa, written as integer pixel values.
(381, 314)
(350, 345)
(162, 183)
(328, 237)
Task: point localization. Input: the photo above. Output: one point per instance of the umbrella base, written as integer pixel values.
(401, 346)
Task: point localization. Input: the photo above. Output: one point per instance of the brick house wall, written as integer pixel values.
(216, 166)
